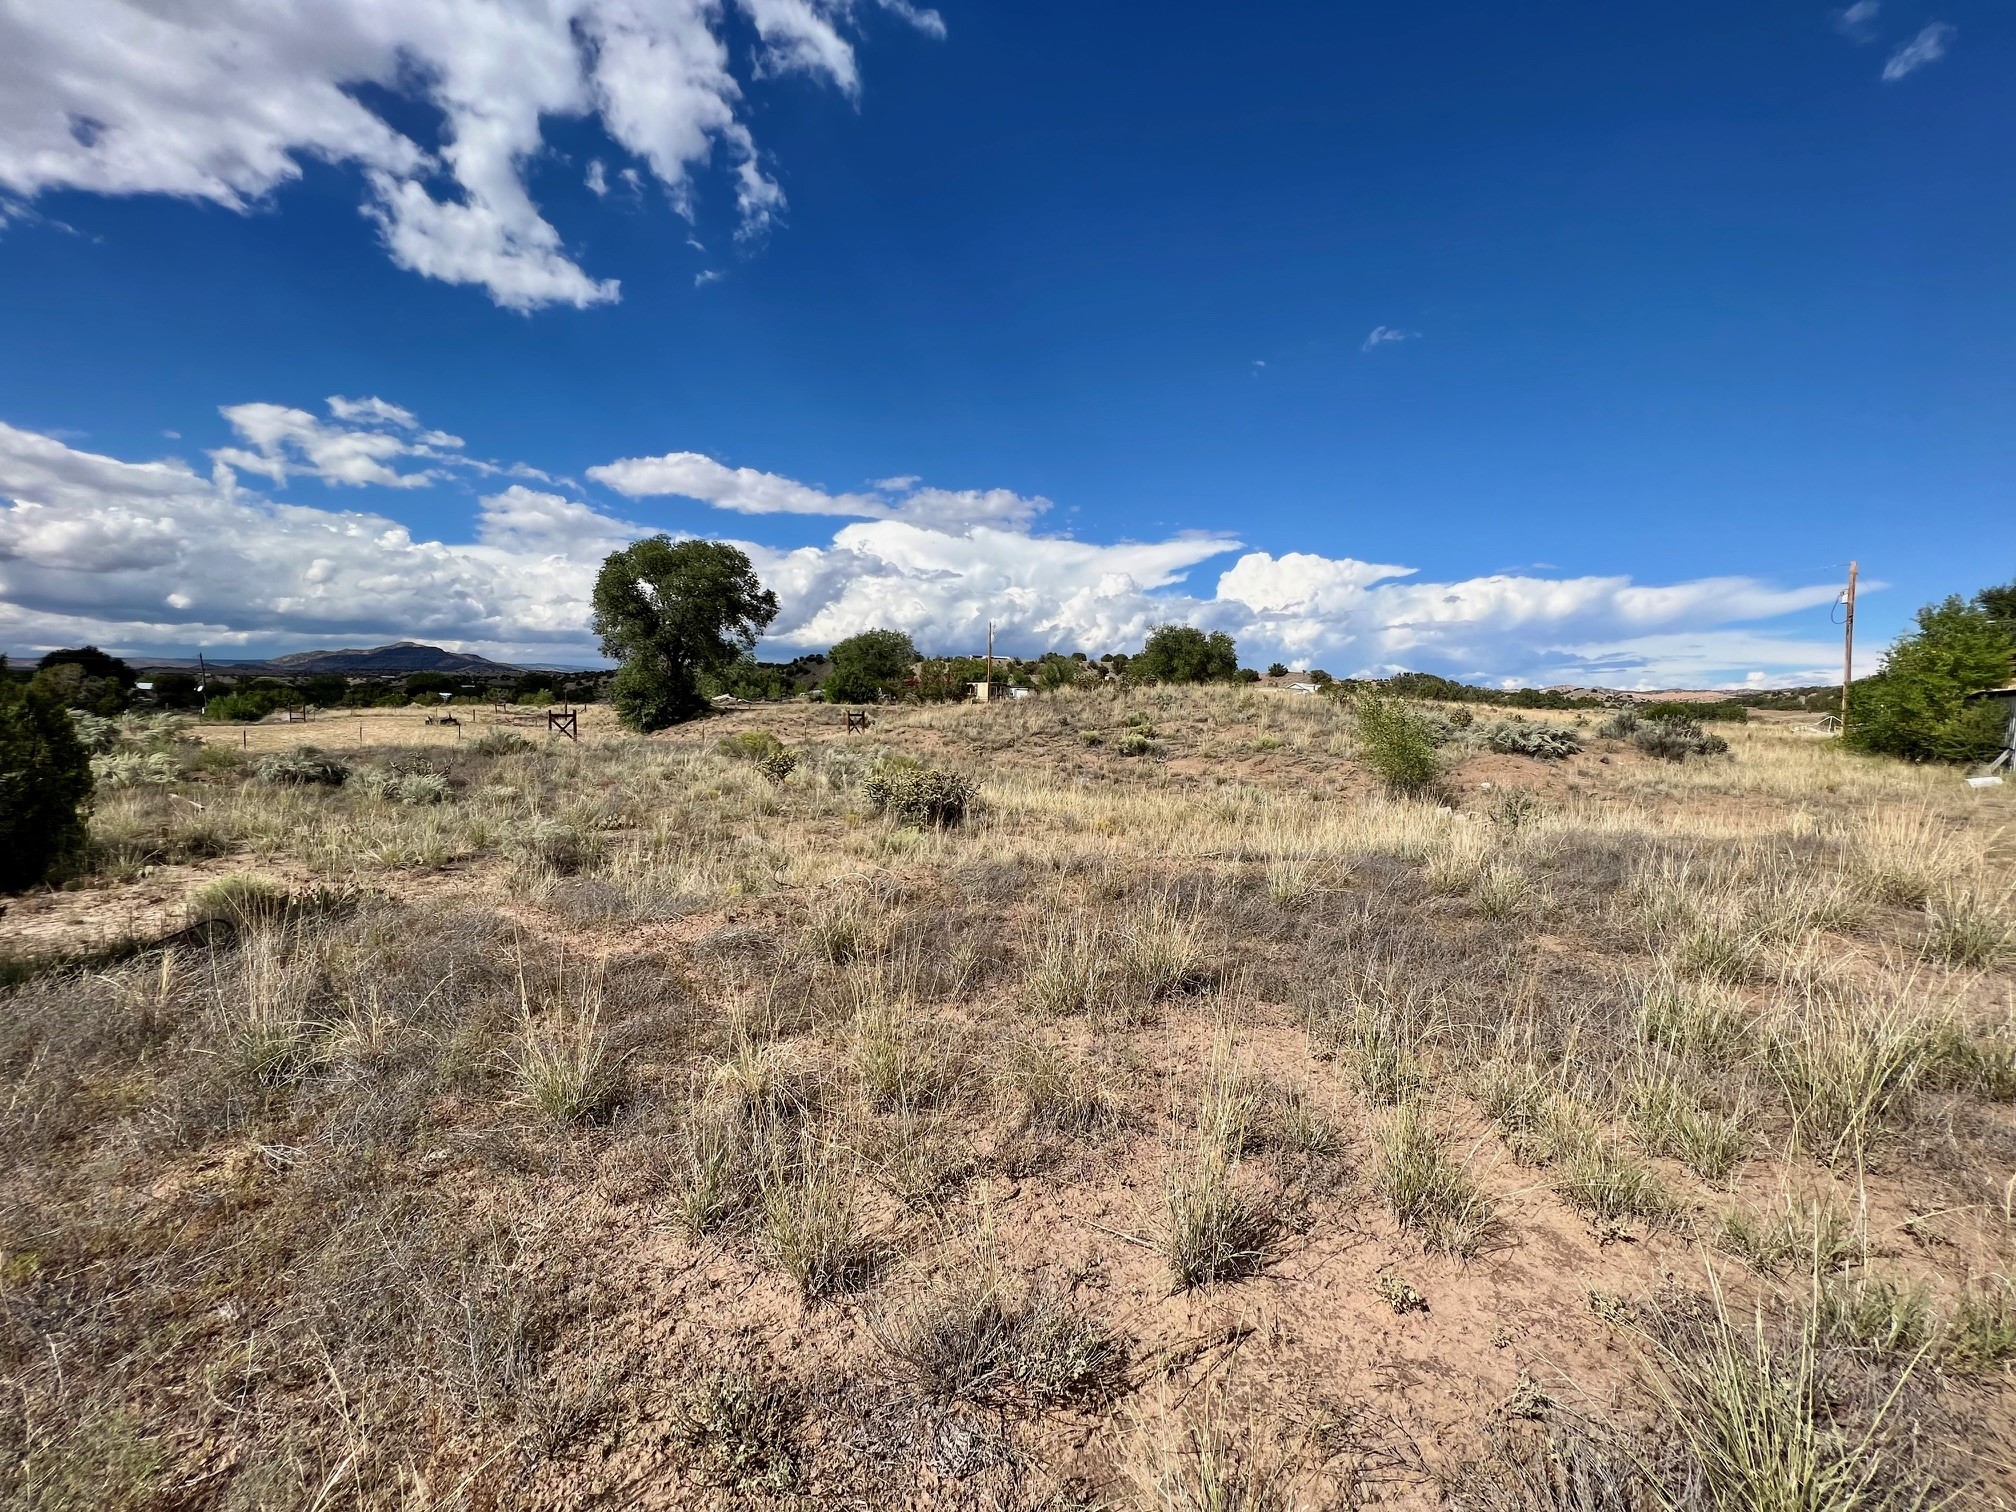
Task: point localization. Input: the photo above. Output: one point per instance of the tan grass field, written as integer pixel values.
(629, 1124)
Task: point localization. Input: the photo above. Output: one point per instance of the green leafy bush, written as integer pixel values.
(1396, 741)
(304, 766)
(1726, 710)
(1917, 707)
(45, 783)
(779, 764)
(242, 708)
(918, 794)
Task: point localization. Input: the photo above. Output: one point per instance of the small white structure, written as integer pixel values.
(1302, 688)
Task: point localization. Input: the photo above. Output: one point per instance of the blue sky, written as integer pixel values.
(1682, 308)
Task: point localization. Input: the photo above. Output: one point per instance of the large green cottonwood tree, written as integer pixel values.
(670, 612)
(1185, 654)
(868, 666)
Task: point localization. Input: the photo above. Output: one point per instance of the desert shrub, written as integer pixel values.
(1620, 726)
(1677, 739)
(918, 795)
(741, 1430)
(45, 783)
(553, 845)
(749, 745)
(1134, 743)
(136, 768)
(238, 899)
(304, 766)
(1396, 742)
(778, 765)
(413, 789)
(1520, 737)
(97, 733)
(972, 1337)
(499, 743)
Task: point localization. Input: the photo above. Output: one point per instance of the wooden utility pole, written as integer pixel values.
(1847, 647)
(990, 658)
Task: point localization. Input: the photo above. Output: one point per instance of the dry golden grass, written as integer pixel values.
(372, 1191)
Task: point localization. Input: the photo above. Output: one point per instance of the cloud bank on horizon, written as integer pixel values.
(156, 555)
(222, 102)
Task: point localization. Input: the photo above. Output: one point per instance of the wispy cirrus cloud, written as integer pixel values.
(1858, 22)
(1928, 47)
(156, 554)
(1387, 336)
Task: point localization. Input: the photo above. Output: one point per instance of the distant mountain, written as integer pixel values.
(400, 656)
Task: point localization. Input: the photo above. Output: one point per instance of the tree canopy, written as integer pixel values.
(1185, 654)
(93, 663)
(45, 781)
(1917, 707)
(670, 612)
(866, 667)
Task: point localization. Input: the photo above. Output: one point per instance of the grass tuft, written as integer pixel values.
(1428, 1193)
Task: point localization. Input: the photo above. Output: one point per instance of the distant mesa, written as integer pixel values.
(400, 659)
(400, 656)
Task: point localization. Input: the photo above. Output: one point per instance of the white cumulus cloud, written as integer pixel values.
(358, 445)
(156, 554)
(221, 101)
(693, 475)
